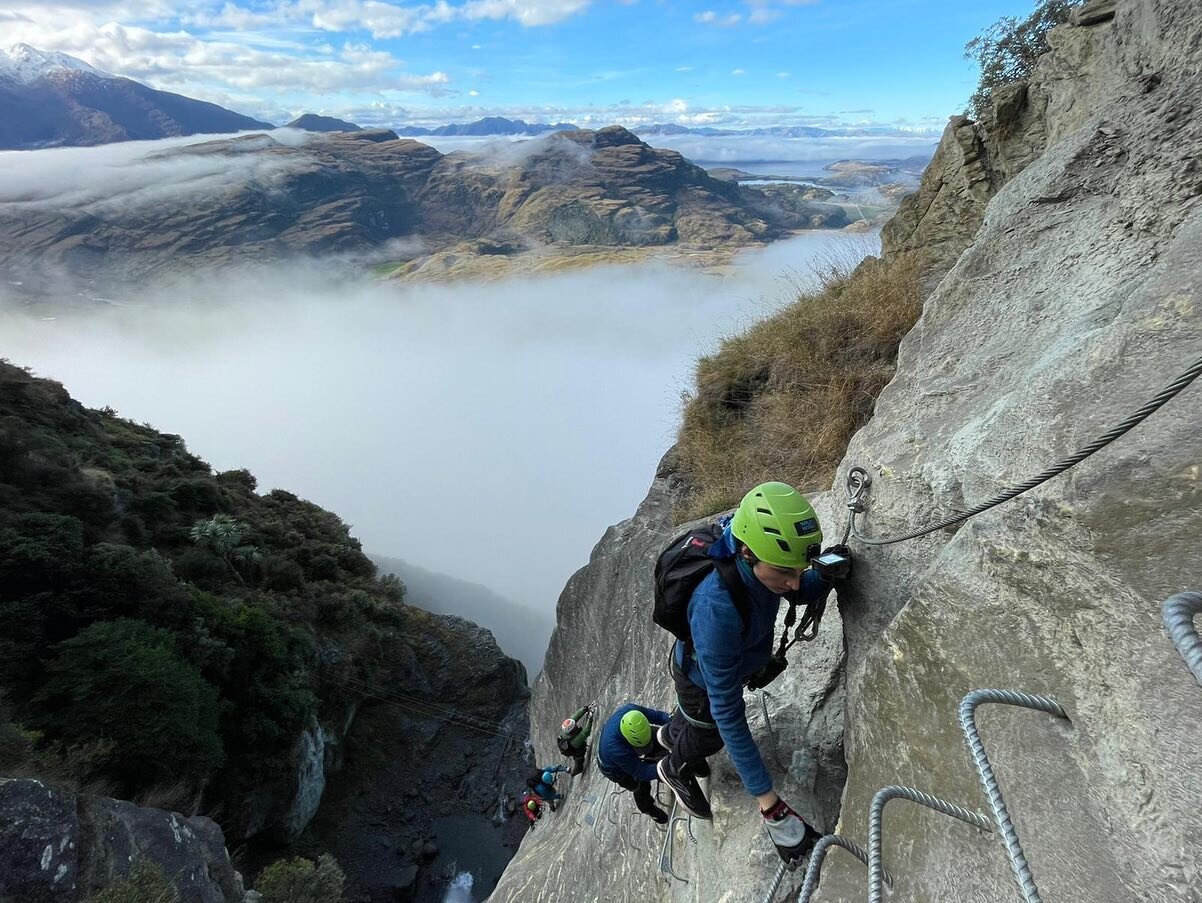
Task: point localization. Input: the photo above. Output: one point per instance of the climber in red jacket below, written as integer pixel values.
(532, 807)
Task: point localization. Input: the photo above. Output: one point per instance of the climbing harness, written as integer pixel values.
(1178, 614)
(859, 481)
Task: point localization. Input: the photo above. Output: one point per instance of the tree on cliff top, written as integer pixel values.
(1008, 49)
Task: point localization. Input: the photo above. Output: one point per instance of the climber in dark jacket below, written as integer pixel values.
(772, 537)
(628, 750)
(542, 783)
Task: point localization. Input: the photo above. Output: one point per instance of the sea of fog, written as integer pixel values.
(487, 431)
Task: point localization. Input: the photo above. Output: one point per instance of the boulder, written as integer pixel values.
(57, 847)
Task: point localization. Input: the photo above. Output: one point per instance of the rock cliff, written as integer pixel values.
(57, 847)
(1063, 242)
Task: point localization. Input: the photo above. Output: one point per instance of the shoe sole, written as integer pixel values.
(679, 799)
(661, 737)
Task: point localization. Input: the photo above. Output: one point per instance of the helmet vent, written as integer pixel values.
(764, 511)
(772, 530)
(783, 545)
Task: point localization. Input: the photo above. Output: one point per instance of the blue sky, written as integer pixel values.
(733, 64)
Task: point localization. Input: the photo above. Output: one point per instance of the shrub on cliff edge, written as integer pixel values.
(300, 880)
(1007, 50)
(782, 400)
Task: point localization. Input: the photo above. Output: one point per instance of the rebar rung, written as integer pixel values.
(876, 819)
(1178, 614)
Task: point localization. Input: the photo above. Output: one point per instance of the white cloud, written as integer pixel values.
(123, 177)
(709, 17)
(684, 68)
(737, 72)
(473, 93)
(212, 69)
(765, 11)
(783, 74)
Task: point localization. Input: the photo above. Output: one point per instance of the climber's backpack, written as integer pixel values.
(565, 743)
(679, 571)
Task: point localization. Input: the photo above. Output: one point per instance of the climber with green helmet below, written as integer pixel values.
(724, 627)
(574, 734)
(627, 751)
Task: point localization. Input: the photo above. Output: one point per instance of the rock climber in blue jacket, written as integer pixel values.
(543, 784)
(772, 536)
(628, 750)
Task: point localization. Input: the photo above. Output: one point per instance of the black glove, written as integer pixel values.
(790, 834)
(768, 672)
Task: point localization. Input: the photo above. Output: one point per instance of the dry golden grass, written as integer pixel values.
(781, 401)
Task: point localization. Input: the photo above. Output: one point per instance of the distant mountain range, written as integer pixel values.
(54, 100)
(489, 125)
(781, 131)
(51, 99)
(252, 200)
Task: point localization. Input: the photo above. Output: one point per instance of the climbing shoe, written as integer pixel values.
(791, 835)
(700, 768)
(688, 792)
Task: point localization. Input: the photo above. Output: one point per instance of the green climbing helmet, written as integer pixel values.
(636, 728)
(532, 806)
(778, 524)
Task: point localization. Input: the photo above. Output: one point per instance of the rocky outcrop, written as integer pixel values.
(1066, 260)
(57, 847)
(359, 194)
(427, 790)
(975, 160)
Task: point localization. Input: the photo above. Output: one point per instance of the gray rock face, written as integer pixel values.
(56, 847)
(975, 159)
(1065, 245)
(1075, 302)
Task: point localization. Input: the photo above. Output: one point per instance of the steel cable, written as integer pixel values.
(968, 724)
(1178, 614)
(858, 479)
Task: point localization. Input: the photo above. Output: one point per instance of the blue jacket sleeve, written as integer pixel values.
(718, 647)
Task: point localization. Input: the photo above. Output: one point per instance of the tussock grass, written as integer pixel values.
(782, 400)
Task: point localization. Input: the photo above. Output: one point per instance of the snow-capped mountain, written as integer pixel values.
(24, 64)
(50, 99)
